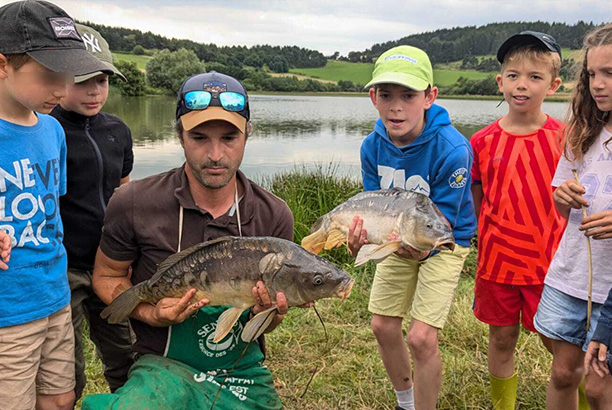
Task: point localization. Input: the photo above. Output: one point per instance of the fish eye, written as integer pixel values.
(317, 280)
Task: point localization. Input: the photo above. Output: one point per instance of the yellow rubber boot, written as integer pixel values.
(503, 392)
(582, 400)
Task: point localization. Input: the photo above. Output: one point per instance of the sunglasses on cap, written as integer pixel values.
(200, 100)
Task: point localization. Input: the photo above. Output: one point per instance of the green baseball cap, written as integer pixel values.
(403, 65)
(98, 47)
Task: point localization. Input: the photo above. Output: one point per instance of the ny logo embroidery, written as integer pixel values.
(91, 41)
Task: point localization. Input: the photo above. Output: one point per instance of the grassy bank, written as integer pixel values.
(141, 61)
(361, 73)
(349, 372)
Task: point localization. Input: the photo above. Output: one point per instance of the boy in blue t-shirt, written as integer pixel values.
(39, 53)
(414, 146)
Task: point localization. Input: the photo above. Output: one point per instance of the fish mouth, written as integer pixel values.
(445, 244)
(345, 291)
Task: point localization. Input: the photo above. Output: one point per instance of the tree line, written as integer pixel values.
(254, 65)
(167, 69)
(458, 43)
(276, 58)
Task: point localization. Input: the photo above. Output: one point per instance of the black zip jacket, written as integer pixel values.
(99, 155)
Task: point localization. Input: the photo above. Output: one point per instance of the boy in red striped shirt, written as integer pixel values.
(518, 225)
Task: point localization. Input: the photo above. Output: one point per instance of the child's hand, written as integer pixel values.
(357, 236)
(598, 225)
(569, 194)
(596, 357)
(5, 250)
(407, 252)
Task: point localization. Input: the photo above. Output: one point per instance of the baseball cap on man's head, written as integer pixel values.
(46, 33)
(98, 47)
(528, 38)
(403, 65)
(212, 96)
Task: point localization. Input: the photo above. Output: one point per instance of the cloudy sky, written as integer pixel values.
(327, 26)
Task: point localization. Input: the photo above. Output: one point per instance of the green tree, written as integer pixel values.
(253, 60)
(469, 62)
(136, 83)
(139, 50)
(168, 69)
(279, 65)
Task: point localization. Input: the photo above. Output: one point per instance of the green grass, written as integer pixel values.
(141, 61)
(349, 372)
(450, 77)
(361, 73)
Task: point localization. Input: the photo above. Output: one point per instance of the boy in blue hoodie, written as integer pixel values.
(415, 147)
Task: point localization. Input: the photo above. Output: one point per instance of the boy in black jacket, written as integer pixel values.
(99, 159)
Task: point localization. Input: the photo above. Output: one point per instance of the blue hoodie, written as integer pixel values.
(436, 164)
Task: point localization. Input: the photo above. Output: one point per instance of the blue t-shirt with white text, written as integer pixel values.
(32, 178)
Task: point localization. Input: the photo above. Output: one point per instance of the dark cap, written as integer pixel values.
(47, 34)
(215, 83)
(524, 38)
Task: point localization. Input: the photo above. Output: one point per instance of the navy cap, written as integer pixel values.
(213, 82)
(524, 38)
(46, 33)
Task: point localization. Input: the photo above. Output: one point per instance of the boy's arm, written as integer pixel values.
(597, 351)
(357, 236)
(5, 250)
(128, 157)
(477, 194)
(369, 173)
(448, 191)
(603, 332)
(476, 187)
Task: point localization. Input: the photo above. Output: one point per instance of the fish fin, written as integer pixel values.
(123, 305)
(363, 254)
(258, 324)
(335, 239)
(270, 263)
(315, 242)
(173, 259)
(119, 289)
(377, 253)
(226, 321)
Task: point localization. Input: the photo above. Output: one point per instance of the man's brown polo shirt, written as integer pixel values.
(142, 225)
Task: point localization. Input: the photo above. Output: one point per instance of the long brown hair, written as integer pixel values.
(586, 121)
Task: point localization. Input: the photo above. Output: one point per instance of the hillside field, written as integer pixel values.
(141, 61)
(361, 73)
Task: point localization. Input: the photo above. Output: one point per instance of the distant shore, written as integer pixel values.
(556, 98)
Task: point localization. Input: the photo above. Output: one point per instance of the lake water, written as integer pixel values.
(288, 130)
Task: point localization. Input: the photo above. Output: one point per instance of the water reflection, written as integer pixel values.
(289, 130)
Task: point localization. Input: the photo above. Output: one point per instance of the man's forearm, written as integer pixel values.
(109, 287)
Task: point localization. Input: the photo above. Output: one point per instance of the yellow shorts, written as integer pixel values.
(423, 290)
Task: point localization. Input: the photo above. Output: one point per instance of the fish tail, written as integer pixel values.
(123, 305)
(315, 241)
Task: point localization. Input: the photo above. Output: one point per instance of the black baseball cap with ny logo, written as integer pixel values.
(46, 33)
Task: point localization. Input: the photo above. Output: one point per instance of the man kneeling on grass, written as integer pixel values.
(179, 367)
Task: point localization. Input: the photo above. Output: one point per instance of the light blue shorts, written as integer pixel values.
(563, 317)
